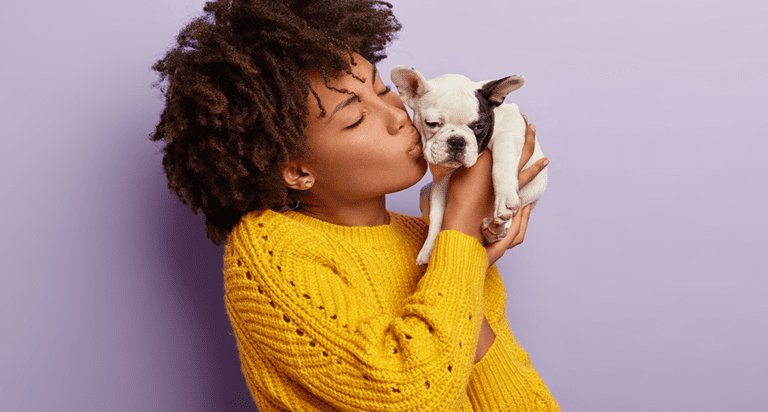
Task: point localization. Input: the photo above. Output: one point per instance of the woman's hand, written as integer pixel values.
(525, 176)
(470, 198)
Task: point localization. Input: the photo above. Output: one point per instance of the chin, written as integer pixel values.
(423, 167)
(418, 173)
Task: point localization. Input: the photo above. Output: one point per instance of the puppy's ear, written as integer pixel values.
(496, 91)
(410, 84)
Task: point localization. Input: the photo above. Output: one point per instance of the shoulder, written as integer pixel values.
(260, 222)
(413, 228)
(271, 248)
(268, 225)
(263, 232)
(269, 236)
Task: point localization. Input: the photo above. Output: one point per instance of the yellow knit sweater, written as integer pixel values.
(337, 318)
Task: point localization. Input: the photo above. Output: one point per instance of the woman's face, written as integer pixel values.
(361, 149)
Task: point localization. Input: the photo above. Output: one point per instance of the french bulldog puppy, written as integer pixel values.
(458, 119)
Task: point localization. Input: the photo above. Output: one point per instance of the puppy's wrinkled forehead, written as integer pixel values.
(452, 100)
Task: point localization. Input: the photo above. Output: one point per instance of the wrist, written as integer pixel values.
(464, 226)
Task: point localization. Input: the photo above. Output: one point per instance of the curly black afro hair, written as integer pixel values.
(235, 91)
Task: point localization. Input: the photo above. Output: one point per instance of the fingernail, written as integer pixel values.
(546, 163)
(533, 127)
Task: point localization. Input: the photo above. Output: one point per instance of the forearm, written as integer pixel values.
(485, 340)
(469, 224)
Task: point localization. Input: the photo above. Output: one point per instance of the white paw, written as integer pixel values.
(426, 252)
(494, 231)
(506, 207)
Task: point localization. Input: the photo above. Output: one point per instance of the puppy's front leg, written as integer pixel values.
(436, 211)
(506, 147)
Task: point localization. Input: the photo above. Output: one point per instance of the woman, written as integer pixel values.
(278, 103)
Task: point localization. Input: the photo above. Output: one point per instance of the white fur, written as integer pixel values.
(450, 101)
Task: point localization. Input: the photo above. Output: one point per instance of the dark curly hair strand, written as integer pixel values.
(235, 91)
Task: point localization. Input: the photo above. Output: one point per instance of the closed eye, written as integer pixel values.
(355, 124)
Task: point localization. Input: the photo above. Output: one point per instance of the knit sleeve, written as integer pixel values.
(301, 312)
(495, 297)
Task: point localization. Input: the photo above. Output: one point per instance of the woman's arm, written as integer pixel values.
(470, 199)
(297, 307)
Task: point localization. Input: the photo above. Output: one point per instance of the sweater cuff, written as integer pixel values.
(496, 384)
(500, 383)
(457, 252)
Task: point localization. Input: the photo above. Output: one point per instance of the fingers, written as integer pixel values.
(526, 214)
(530, 173)
(514, 230)
(513, 238)
(530, 144)
(525, 176)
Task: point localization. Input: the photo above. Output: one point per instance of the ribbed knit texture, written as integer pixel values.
(338, 318)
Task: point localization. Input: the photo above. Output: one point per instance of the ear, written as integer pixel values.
(295, 175)
(496, 91)
(410, 84)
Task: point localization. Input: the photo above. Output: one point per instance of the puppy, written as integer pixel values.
(458, 119)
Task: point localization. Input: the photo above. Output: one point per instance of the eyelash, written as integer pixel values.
(357, 123)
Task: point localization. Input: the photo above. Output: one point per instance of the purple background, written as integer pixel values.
(641, 285)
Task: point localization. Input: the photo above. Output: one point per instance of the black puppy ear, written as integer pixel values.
(409, 82)
(496, 91)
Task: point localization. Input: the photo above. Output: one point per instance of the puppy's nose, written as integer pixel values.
(456, 143)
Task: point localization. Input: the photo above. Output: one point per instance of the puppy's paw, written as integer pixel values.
(494, 230)
(426, 252)
(506, 207)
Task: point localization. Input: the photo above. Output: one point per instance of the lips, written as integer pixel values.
(416, 150)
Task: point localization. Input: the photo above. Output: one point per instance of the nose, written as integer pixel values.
(456, 144)
(398, 118)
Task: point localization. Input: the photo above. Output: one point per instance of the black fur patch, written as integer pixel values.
(483, 126)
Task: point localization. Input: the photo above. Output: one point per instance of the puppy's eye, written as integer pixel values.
(432, 124)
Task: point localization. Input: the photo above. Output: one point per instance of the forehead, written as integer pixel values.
(362, 69)
(329, 97)
(454, 104)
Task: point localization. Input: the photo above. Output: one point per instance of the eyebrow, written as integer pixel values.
(353, 98)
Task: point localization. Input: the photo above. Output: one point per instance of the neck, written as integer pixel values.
(372, 212)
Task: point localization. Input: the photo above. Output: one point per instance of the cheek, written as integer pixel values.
(326, 152)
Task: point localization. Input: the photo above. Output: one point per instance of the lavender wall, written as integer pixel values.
(641, 284)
